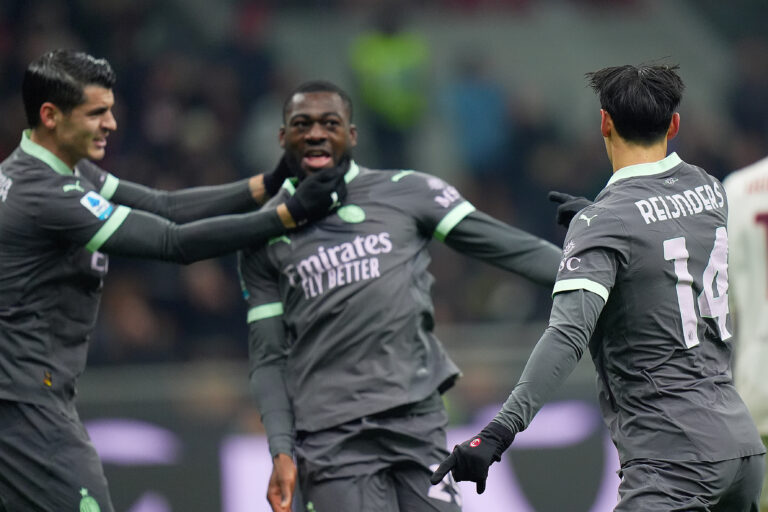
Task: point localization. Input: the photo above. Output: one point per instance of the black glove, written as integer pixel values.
(318, 194)
(569, 206)
(274, 180)
(471, 459)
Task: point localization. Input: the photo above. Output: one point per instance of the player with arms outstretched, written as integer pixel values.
(60, 218)
(345, 367)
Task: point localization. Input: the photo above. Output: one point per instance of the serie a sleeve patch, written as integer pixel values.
(97, 205)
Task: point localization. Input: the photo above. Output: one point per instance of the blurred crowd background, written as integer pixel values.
(488, 94)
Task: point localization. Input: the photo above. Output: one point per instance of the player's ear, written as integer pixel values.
(281, 136)
(49, 115)
(352, 135)
(674, 126)
(606, 123)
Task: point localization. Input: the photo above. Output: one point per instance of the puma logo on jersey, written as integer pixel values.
(335, 199)
(588, 219)
(73, 186)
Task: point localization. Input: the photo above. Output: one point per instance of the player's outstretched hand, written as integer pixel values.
(318, 194)
(471, 459)
(274, 180)
(568, 207)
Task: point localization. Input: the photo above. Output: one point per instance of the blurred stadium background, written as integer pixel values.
(488, 94)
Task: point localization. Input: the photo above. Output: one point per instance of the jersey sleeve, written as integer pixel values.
(481, 236)
(259, 283)
(103, 182)
(180, 206)
(437, 206)
(571, 324)
(594, 246)
(73, 210)
(267, 348)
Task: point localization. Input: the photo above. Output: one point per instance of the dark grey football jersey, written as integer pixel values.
(354, 292)
(654, 246)
(52, 222)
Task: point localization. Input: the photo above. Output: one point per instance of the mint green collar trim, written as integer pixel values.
(290, 186)
(36, 150)
(649, 169)
(352, 173)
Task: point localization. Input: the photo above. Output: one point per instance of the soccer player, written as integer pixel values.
(346, 371)
(643, 282)
(60, 216)
(747, 191)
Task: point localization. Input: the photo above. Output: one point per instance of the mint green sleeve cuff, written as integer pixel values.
(452, 218)
(565, 285)
(108, 228)
(265, 311)
(109, 187)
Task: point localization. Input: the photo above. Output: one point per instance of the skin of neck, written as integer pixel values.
(46, 139)
(623, 153)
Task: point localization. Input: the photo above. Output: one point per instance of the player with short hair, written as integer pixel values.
(346, 370)
(643, 283)
(60, 215)
(747, 191)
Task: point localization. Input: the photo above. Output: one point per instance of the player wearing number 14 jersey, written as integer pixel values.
(643, 283)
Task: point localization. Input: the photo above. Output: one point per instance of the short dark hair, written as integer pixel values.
(60, 76)
(318, 86)
(640, 99)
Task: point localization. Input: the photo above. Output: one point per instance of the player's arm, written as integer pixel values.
(571, 324)
(572, 321)
(267, 353)
(441, 212)
(189, 204)
(591, 261)
(146, 235)
(584, 282)
(130, 232)
(486, 238)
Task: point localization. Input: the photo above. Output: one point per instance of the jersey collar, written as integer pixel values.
(351, 174)
(649, 169)
(36, 150)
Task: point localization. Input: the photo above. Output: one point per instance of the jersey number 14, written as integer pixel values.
(715, 278)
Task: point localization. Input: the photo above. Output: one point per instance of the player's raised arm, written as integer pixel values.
(481, 236)
(442, 213)
(188, 204)
(135, 233)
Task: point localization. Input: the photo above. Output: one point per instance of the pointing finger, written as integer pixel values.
(559, 197)
(443, 469)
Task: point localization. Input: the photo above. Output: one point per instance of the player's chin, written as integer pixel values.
(309, 171)
(96, 153)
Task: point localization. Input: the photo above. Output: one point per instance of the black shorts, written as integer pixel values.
(725, 486)
(47, 462)
(377, 464)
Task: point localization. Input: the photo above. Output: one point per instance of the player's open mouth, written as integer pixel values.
(100, 143)
(316, 159)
